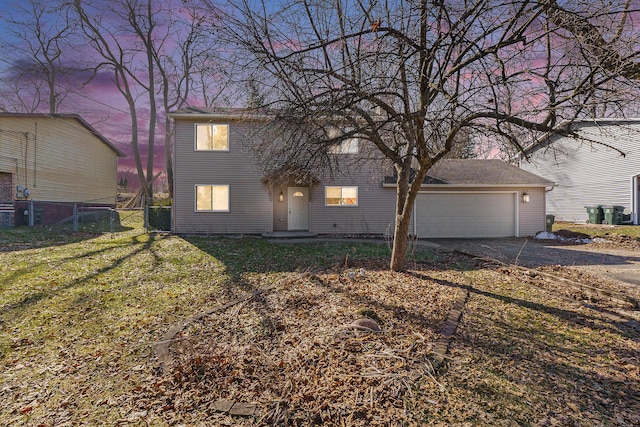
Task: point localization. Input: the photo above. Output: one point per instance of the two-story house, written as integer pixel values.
(219, 188)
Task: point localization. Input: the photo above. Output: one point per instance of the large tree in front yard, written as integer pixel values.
(414, 78)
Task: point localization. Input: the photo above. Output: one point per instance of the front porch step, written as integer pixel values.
(289, 234)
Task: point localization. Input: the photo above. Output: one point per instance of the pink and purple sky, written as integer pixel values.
(99, 101)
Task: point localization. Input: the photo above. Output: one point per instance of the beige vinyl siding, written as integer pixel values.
(11, 158)
(250, 205)
(64, 161)
(587, 173)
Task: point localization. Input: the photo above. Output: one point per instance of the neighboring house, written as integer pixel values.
(48, 163)
(220, 189)
(590, 170)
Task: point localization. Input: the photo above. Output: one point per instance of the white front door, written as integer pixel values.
(298, 200)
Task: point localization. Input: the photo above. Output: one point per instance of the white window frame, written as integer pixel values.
(346, 146)
(341, 187)
(195, 138)
(195, 194)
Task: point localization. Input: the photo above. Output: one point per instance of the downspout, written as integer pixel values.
(35, 155)
(546, 190)
(635, 200)
(26, 157)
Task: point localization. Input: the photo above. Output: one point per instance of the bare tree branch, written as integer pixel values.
(417, 79)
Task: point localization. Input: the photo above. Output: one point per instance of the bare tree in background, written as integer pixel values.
(122, 58)
(185, 71)
(152, 47)
(414, 78)
(39, 50)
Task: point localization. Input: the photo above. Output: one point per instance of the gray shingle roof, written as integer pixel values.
(481, 172)
(477, 172)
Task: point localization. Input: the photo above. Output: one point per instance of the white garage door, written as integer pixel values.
(465, 215)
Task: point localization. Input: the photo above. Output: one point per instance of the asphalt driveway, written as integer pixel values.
(618, 264)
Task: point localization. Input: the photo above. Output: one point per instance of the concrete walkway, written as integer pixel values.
(323, 239)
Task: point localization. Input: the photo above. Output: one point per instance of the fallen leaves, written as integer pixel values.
(528, 350)
(292, 351)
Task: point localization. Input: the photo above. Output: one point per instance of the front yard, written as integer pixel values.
(82, 318)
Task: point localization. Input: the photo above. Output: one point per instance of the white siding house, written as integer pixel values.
(600, 167)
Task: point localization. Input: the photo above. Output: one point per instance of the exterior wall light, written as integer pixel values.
(281, 196)
(525, 197)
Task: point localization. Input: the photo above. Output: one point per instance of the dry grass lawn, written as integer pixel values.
(81, 316)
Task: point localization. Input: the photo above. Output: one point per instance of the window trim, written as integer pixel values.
(195, 137)
(195, 198)
(339, 148)
(341, 187)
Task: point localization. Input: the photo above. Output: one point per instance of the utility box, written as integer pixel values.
(613, 214)
(6, 216)
(595, 214)
(550, 220)
(37, 216)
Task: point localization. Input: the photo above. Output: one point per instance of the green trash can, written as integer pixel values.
(619, 214)
(595, 214)
(550, 220)
(613, 214)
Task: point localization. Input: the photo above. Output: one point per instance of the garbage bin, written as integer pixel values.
(37, 216)
(39, 213)
(619, 214)
(595, 214)
(613, 214)
(550, 220)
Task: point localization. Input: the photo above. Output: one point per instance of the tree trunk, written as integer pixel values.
(400, 236)
(153, 109)
(403, 217)
(52, 90)
(405, 197)
(136, 152)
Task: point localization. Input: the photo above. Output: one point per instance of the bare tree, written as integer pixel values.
(185, 69)
(121, 58)
(414, 77)
(39, 53)
(152, 47)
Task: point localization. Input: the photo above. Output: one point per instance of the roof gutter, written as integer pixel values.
(219, 116)
(537, 184)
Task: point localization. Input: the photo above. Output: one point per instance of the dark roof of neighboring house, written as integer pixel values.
(475, 172)
(75, 117)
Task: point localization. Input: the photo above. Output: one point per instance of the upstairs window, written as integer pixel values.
(341, 196)
(347, 146)
(212, 198)
(212, 137)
